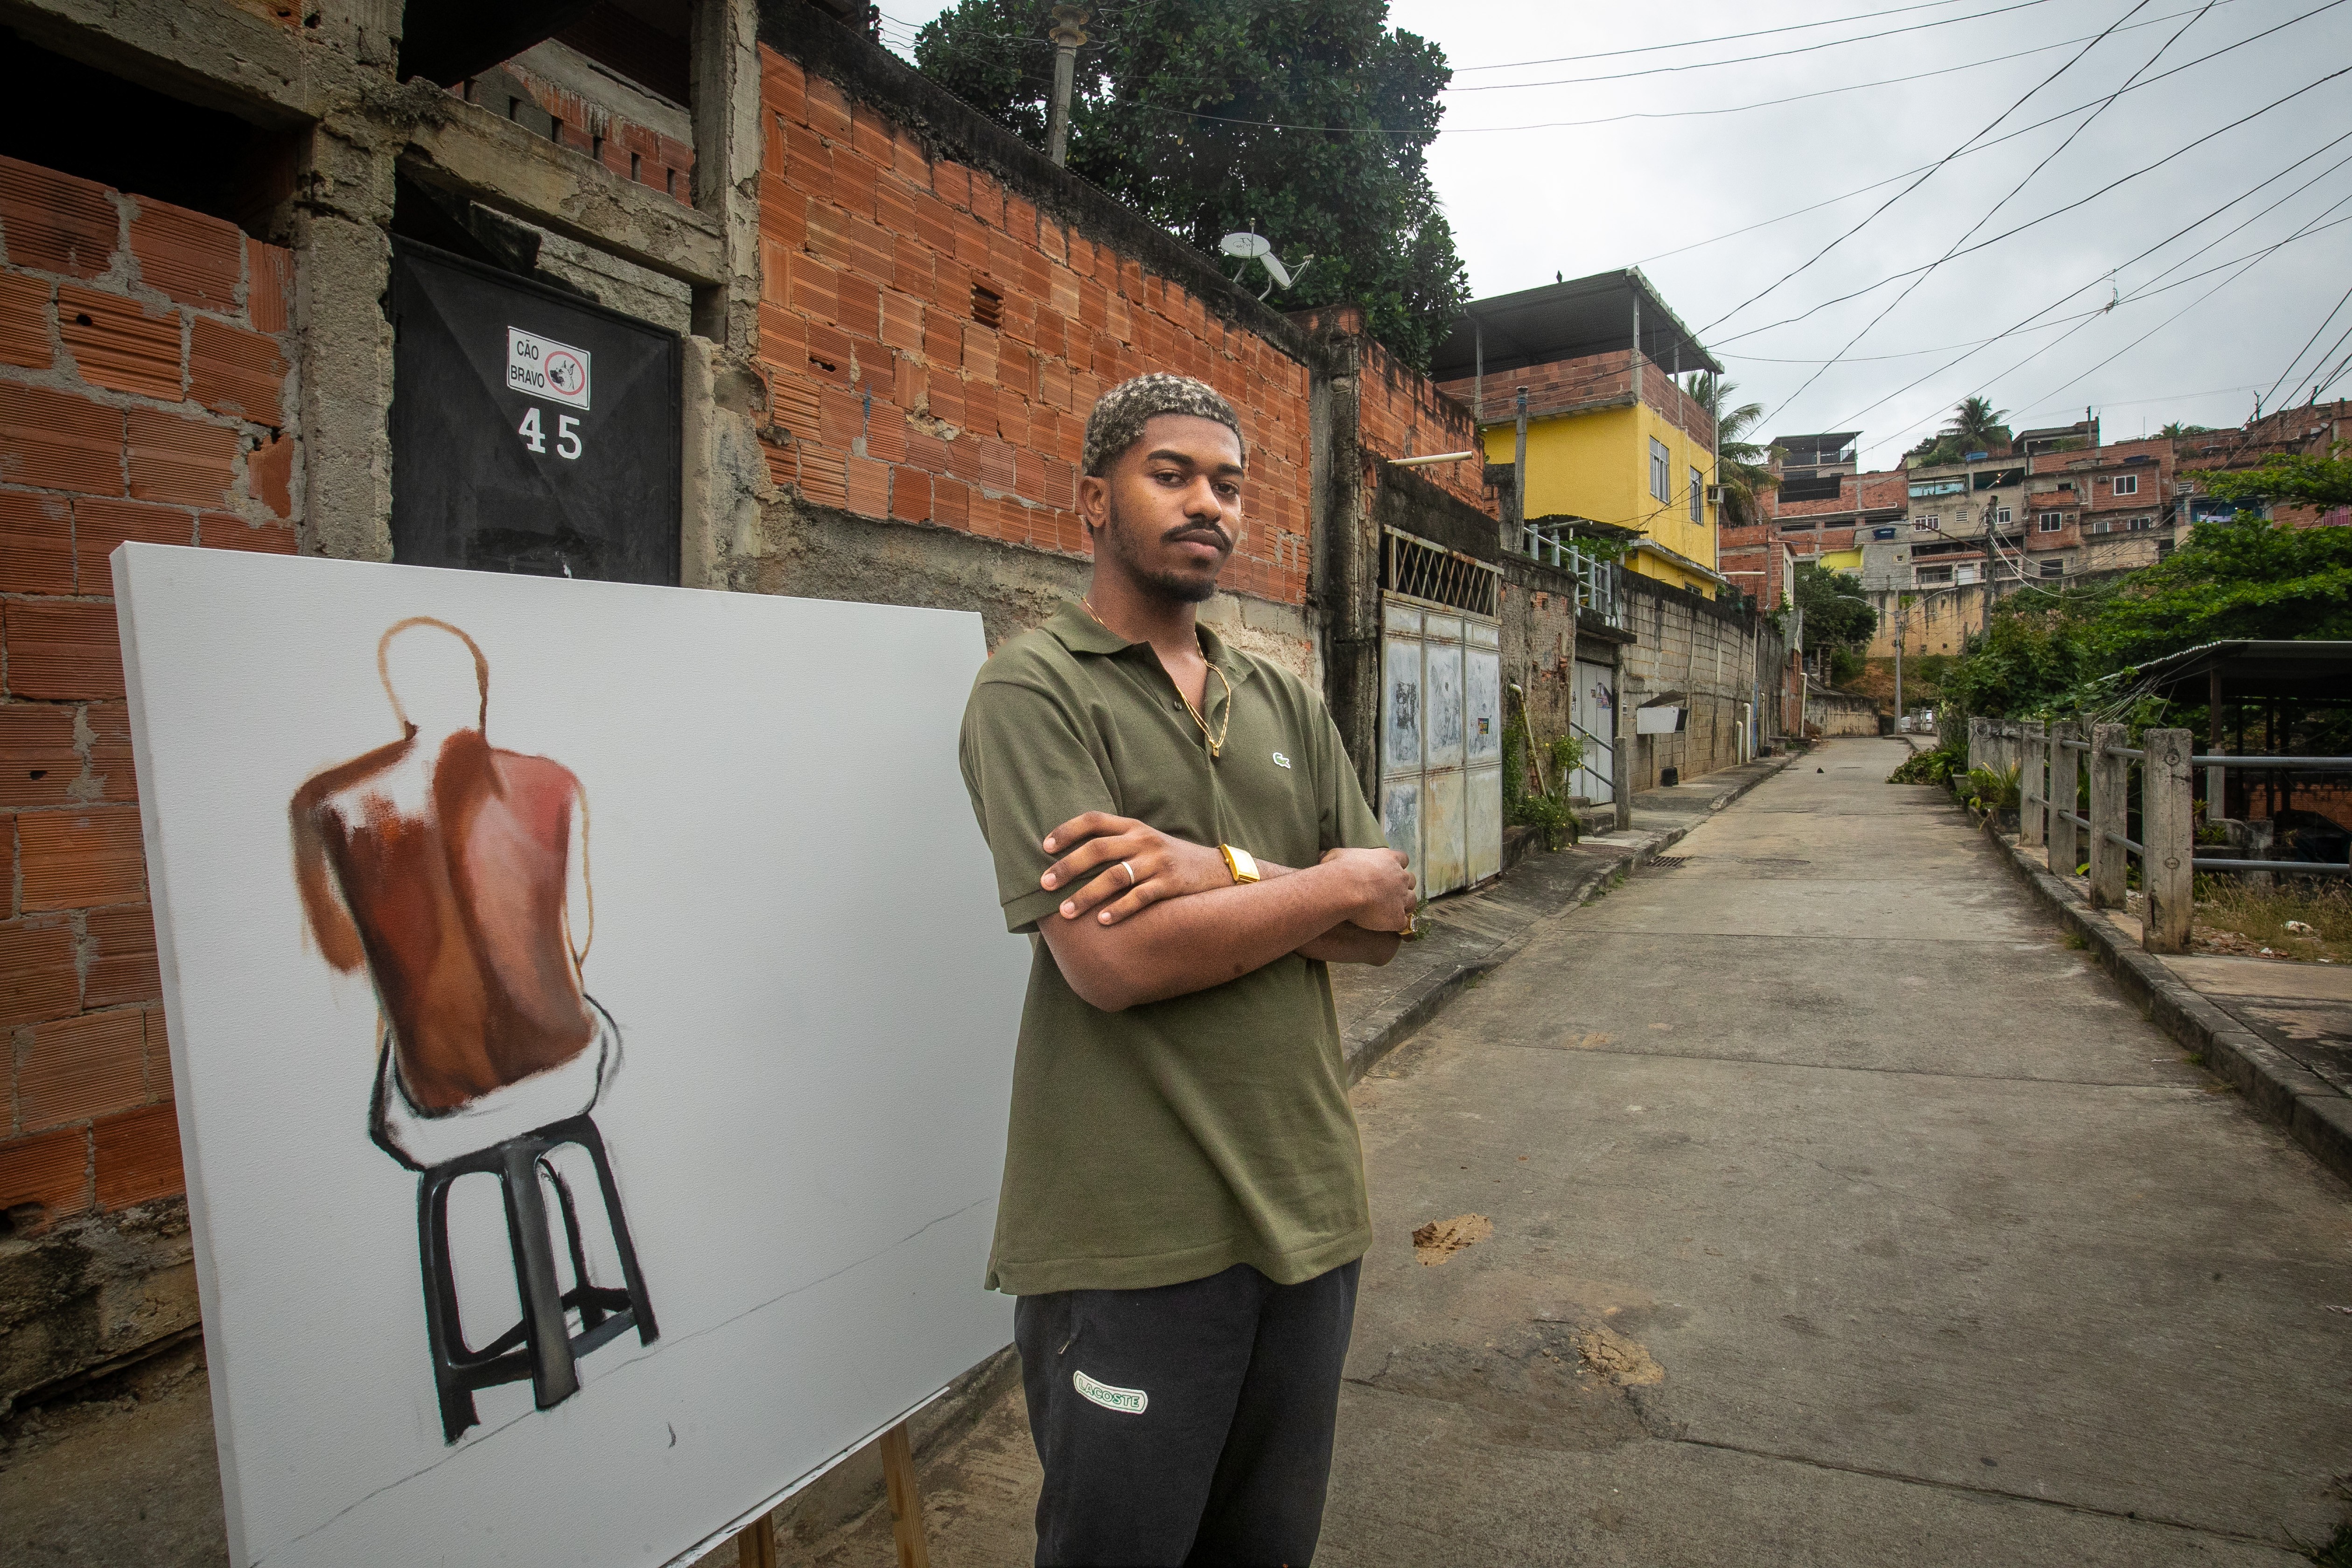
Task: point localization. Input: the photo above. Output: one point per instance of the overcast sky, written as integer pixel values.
(1655, 192)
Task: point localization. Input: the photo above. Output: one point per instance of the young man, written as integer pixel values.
(1184, 1203)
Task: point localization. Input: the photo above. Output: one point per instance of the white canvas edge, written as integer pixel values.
(183, 1082)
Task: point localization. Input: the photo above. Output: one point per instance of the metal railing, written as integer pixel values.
(2049, 759)
(1597, 581)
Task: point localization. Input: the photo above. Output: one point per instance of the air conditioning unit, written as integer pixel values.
(1714, 495)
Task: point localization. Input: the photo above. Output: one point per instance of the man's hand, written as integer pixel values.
(1145, 865)
(1384, 885)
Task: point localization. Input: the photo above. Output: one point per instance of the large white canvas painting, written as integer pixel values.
(591, 1026)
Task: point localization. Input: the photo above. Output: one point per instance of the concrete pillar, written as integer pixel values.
(2065, 764)
(1621, 779)
(728, 146)
(2032, 792)
(2110, 800)
(342, 269)
(2168, 829)
(1344, 574)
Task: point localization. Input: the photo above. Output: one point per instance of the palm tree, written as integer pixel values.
(1743, 469)
(1977, 426)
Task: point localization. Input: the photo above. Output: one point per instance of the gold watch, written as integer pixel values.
(1239, 863)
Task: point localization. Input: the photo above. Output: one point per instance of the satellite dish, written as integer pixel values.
(1251, 246)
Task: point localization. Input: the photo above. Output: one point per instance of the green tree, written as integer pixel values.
(1308, 121)
(1742, 468)
(1837, 612)
(2037, 652)
(1977, 426)
(2174, 431)
(2243, 578)
(2290, 477)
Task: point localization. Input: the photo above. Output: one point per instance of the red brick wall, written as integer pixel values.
(891, 395)
(142, 395)
(661, 162)
(1566, 385)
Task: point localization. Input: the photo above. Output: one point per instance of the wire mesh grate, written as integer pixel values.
(1435, 576)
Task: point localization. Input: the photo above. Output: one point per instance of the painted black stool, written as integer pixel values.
(541, 1347)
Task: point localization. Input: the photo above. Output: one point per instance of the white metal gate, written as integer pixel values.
(1442, 714)
(1594, 714)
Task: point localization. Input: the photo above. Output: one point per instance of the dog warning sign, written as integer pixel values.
(544, 368)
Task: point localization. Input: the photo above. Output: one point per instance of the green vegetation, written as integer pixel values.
(1835, 609)
(1940, 766)
(1545, 806)
(1976, 426)
(2226, 907)
(1742, 468)
(1994, 789)
(2061, 653)
(2293, 477)
(1191, 112)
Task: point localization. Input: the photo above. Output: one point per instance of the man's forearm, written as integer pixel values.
(1182, 945)
(1351, 943)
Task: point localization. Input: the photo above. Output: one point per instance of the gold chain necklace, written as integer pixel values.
(1217, 741)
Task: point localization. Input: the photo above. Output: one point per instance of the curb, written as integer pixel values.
(2302, 1102)
(1404, 1015)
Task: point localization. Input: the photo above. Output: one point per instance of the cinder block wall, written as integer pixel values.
(939, 311)
(143, 391)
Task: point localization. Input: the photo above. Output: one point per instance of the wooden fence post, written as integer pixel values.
(2032, 791)
(2064, 773)
(2168, 814)
(2110, 802)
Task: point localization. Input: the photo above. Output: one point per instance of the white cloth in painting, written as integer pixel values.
(566, 1089)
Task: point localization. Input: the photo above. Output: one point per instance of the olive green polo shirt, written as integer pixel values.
(1175, 1139)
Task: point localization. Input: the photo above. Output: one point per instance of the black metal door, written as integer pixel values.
(531, 431)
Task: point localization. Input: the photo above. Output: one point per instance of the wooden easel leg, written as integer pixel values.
(906, 1499)
(755, 1545)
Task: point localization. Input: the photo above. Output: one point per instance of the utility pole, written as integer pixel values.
(1068, 32)
(1519, 476)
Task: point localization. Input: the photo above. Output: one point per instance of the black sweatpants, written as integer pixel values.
(1185, 1425)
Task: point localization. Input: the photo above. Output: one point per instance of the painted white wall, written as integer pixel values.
(797, 932)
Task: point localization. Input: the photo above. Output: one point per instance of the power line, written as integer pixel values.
(1954, 247)
(1718, 38)
(2137, 6)
(1668, 113)
(1743, 59)
(1907, 354)
(2045, 217)
(2306, 347)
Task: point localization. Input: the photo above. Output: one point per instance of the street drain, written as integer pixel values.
(1668, 862)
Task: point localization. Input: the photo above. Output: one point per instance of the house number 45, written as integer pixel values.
(567, 434)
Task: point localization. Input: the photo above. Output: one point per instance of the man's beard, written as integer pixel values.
(1166, 584)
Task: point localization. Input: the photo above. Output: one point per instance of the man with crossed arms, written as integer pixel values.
(1183, 1204)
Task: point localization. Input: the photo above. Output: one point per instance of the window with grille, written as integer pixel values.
(1436, 575)
(1927, 524)
(1925, 574)
(2054, 568)
(2001, 517)
(1661, 488)
(1697, 497)
(2140, 523)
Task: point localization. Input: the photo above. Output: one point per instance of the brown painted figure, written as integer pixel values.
(455, 875)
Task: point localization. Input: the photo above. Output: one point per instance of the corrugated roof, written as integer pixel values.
(1567, 321)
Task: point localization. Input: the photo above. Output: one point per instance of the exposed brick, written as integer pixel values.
(829, 354)
(80, 859)
(894, 208)
(854, 181)
(232, 370)
(101, 523)
(36, 544)
(110, 771)
(193, 258)
(869, 133)
(269, 287)
(11, 861)
(269, 474)
(136, 1157)
(51, 1169)
(37, 981)
(174, 459)
(822, 474)
(886, 433)
(943, 396)
(913, 268)
(910, 495)
(987, 202)
(950, 501)
(812, 290)
(117, 344)
(868, 487)
(62, 648)
(224, 531)
(781, 89)
(121, 958)
(38, 763)
(25, 322)
(828, 110)
(54, 223)
(857, 305)
(80, 1068)
(910, 387)
(59, 440)
(159, 1054)
(951, 183)
(906, 160)
(793, 404)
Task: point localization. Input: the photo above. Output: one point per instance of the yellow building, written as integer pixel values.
(1612, 436)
